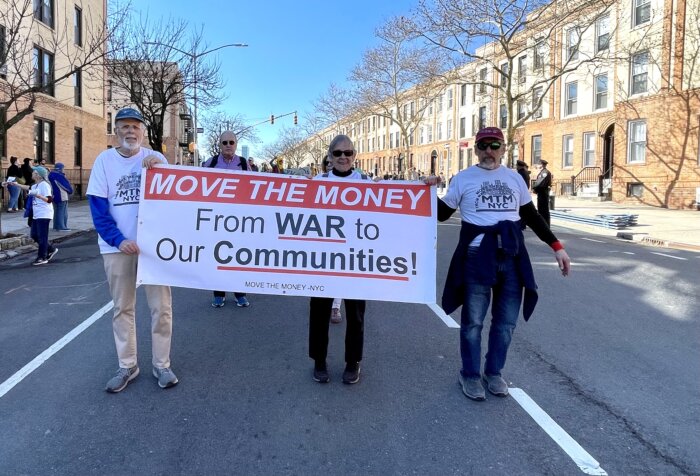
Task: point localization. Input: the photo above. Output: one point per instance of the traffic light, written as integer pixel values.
(272, 118)
(295, 120)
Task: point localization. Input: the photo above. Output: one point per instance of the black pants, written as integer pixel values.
(543, 205)
(223, 294)
(319, 321)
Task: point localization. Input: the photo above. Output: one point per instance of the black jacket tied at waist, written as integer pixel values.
(503, 237)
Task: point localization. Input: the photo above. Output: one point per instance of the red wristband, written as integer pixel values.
(556, 246)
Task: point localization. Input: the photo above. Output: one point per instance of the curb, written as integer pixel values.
(23, 244)
(645, 239)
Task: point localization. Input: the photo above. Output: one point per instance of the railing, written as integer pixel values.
(587, 175)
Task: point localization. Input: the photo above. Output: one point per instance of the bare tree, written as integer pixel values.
(293, 147)
(673, 77)
(397, 80)
(157, 71)
(218, 122)
(514, 50)
(24, 82)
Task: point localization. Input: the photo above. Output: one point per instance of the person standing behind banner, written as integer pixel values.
(228, 160)
(251, 165)
(62, 189)
(341, 153)
(113, 192)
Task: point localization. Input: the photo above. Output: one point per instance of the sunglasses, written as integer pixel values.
(484, 145)
(347, 153)
(228, 142)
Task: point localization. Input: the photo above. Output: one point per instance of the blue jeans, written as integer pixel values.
(14, 197)
(60, 217)
(505, 309)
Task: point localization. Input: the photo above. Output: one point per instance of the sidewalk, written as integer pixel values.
(678, 229)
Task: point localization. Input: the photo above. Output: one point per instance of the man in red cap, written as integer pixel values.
(491, 260)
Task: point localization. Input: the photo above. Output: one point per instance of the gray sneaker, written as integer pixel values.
(166, 377)
(119, 382)
(496, 385)
(472, 388)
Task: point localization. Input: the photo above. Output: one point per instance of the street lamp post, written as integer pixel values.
(194, 56)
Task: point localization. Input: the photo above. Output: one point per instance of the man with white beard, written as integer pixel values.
(113, 192)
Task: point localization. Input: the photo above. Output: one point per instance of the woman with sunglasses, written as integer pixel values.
(491, 262)
(341, 155)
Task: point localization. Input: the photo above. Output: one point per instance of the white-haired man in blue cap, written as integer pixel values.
(113, 193)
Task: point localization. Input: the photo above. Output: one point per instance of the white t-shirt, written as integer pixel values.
(40, 208)
(485, 197)
(355, 175)
(118, 179)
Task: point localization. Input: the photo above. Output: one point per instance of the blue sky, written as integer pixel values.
(297, 48)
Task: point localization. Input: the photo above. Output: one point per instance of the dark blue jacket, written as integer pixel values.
(512, 243)
(58, 178)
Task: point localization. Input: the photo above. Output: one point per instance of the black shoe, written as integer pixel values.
(352, 373)
(321, 372)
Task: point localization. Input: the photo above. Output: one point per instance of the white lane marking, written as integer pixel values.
(449, 322)
(24, 372)
(668, 256)
(628, 252)
(585, 461)
(591, 239)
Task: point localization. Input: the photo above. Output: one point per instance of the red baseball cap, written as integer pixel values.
(490, 133)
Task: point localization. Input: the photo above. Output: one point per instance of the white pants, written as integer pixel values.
(121, 275)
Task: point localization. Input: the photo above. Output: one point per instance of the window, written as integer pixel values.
(521, 109)
(137, 92)
(536, 97)
(504, 75)
(462, 127)
(430, 134)
(421, 138)
(43, 11)
(635, 189)
(482, 117)
(538, 63)
(572, 40)
(463, 95)
(601, 91)
(158, 92)
(522, 69)
(568, 151)
(78, 146)
(43, 70)
(503, 116)
(3, 53)
(449, 98)
(475, 124)
(536, 149)
(44, 140)
(571, 97)
(516, 152)
(109, 123)
(602, 33)
(78, 26)
(589, 149)
(439, 131)
(78, 88)
(449, 129)
(430, 108)
(482, 80)
(637, 142)
(110, 86)
(642, 12)
(640, 67)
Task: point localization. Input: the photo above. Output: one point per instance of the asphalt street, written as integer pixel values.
(610, 355)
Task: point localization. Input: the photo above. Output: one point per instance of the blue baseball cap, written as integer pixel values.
(129, 113)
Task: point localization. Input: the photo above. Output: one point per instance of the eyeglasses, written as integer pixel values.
(347, 153)
(484, 145)
(228, 142)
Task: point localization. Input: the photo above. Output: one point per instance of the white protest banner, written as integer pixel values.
(276, 234)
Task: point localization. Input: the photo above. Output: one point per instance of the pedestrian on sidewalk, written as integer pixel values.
(13, 174)
(542, 186)
(39, 212)
(113, 193)
(228, 160)
(490, 264)
(62, 189)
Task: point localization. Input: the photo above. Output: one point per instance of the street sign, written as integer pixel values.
(200, 130)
